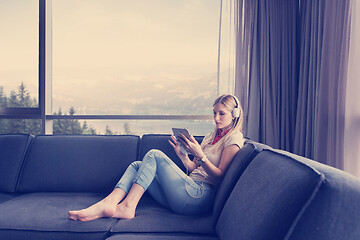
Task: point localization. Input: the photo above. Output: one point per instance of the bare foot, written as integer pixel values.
(124, 211)
(98, 210)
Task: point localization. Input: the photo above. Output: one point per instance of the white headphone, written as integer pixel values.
(236, 111)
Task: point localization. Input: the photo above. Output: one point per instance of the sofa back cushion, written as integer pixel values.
(268, 197)
(77, 163)
(160, 142)
(334, 211)
(238, 165)
(12, 152)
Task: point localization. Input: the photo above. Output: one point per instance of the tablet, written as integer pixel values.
(177, 132)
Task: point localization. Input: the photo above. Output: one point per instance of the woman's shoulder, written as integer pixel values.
(237, 134)
(235, 138)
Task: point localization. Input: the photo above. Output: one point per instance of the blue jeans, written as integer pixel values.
(168, 184)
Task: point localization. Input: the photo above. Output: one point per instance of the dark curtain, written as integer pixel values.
(320, 122)
(271, 39)
(296, 75)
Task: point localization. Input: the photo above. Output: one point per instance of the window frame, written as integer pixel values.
(44, 109)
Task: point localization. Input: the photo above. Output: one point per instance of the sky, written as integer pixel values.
(19, 44)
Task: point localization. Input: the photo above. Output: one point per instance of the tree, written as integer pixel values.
(127, 130)
(3, 103)
(19, 98)
(23, 96)
(108, 130)
(3, 98)
(67, 126)
(58, 124)
(4, 126)
(74, 124)
(88, 130)
(12, 100)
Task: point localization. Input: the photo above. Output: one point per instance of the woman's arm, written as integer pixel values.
(190, 165)
(191, 145)
(227, 156)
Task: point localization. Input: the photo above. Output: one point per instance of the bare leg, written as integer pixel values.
(105, 208)
(126, 209)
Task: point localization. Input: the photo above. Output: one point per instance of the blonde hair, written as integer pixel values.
(230, 103)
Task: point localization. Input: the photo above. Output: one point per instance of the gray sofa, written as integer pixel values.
(265, 194)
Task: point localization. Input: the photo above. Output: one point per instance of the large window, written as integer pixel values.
(117, 67)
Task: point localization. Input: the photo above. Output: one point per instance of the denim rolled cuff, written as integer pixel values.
(123, 187)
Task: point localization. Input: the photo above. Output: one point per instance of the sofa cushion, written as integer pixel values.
(334, 211)
(77, 163)
(39, 235)
(173, 236)
(268, 197)
(151, 217)
(7, 196)
(45, 216)
(238, 165)
(12, 152)
(160, 142)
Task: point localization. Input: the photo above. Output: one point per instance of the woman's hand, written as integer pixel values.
(190, 166)
(191, 146)
(177, 148)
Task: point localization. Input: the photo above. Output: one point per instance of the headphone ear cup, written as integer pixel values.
(236, 112)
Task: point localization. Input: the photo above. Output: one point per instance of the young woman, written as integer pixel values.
(166, 182)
